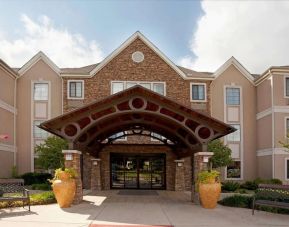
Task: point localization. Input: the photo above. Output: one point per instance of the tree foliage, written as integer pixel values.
(50, 153)
(222, 154)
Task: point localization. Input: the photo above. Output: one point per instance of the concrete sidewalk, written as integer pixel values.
(167, 208)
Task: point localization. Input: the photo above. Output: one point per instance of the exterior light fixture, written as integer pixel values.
(68, 157)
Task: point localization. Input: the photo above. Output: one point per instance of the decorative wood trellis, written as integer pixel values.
(136, 111)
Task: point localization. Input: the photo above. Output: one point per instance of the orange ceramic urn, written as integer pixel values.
(209, 194)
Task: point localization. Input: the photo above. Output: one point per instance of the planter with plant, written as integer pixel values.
(64, 186)
(209, 188)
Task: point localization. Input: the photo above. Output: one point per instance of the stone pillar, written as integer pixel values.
(72, 160)
(201, 160)
(95, 181)
(180, 175)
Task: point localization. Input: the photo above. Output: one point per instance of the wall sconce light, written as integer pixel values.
(206, 159)
(68, 157)
(94, 163)
(180, 164)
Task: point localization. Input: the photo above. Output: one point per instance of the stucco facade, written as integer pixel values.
(260, 112)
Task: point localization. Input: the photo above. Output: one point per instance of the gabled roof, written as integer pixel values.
(132, 38)
(39, 56)
(8, 69)
(233, 61)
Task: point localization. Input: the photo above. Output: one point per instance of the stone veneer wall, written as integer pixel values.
(170, 164)
(86, 160)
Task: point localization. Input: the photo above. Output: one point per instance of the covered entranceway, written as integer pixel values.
(140, 112)
(137, 171)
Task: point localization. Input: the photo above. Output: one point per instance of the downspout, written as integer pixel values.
(273, 125)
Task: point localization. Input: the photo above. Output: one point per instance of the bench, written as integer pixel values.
(271, 195)
(8, 187)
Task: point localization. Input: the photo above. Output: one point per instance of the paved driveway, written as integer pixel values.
(164, 208)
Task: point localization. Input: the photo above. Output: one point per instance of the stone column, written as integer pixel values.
(180, 175)
(72, 160)
(201, 160)
(95, 181)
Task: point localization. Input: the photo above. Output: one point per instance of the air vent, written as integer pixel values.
(137, 56)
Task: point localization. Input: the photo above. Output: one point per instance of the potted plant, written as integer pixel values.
(209, 187)
(64, 186)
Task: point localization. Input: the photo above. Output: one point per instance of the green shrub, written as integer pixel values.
(249, 185)
(230, 186)
(267, 181)
(35, 178)
(237, 201)
(35, 199)
(44, 187)
(241, 191)
(207, 177)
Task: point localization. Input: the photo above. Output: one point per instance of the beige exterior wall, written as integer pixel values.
(280, 128)
(279, 160)
(7, 162)
(7, 87)
(7, 120)
(264, 100)
(279, 90)
(40, 72)
(264, 166)
(264, 132)
(232, 76)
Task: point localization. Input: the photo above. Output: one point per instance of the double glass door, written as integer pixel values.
(137, 171)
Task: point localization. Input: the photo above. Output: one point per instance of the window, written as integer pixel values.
(40, 91)
(117, 87)
(38, 132)
(233, 96)
(75, 90)
(234, 170)
(158, 136)
(287, 168)
(198, 92)
(235, 136)
(287, 86)
(158, 87)
(124, 138)
(287, 127)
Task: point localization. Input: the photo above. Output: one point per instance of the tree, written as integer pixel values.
(222, 154)
(50, 153)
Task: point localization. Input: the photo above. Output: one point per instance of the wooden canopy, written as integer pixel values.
(136, 111)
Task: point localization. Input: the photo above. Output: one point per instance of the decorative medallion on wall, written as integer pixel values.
(137, 56)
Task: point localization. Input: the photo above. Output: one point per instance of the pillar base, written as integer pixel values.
(72, 160)
(95, 174)
(201, 160)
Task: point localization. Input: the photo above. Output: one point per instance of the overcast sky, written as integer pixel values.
(198, 35)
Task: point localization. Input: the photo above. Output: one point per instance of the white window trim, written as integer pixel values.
(285, 77)
(138, 82)
(285, 128)
(191, 89)
(286, 166)
(32, 101)
(241, 159)
(68, 90)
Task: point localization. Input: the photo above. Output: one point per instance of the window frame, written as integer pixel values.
(138, 83)
(286, 176)
(237, 178)
(33, 91)
(232, 87)
(35, 126)
(191, 92)
(239, 130)
(68, 90)
(285, 127)
(285, 93)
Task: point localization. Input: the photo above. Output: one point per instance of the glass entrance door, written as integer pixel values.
(138, 171)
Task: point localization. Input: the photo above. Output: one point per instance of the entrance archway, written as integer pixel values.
(137, 111)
